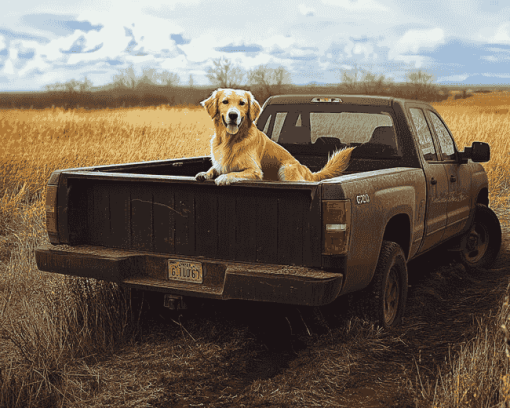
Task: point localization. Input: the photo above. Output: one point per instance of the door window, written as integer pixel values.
(445, 139)
(424, 135)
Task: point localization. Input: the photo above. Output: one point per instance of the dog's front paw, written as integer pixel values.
(202, 176)
(227, 179)
(223, 180)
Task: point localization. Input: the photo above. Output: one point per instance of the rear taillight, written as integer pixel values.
(336, 226)
(51, 213)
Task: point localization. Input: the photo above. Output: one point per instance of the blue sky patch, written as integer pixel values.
(114, 62)
(12, 35)
(458, 57)
(26, 55)
(79, 45)
(57, 24)
(239, 48)
(178, 39)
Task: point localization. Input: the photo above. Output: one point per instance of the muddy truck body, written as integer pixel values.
(151, 226)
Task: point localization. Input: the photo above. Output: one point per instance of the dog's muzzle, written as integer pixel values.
(234, 120)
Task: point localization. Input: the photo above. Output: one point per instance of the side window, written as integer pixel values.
(268, 121)
(445, 139)
(278, 125)
(424, 135)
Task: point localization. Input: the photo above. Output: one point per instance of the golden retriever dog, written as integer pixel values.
(239, 151)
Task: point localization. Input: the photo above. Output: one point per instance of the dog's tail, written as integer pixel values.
(335, 166)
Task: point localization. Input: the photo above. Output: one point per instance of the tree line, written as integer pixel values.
(153, 87)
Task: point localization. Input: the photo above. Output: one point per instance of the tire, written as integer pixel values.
(383, 301)
(481, 244)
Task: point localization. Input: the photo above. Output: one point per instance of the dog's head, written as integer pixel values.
(232, 108)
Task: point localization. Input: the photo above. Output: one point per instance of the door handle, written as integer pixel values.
(453, 179)
(433, 181)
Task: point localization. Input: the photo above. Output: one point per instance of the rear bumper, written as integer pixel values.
(222, 279)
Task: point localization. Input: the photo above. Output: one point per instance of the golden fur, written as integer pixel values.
(239, 151)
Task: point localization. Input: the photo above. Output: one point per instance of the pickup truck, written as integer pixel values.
(152, 227)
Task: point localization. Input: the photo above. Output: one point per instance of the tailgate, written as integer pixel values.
(263, 222)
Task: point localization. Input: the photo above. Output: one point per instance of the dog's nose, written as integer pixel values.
(232, 116)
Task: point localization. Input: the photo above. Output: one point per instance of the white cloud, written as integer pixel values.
(495, 75)
(416, 61)
(24, 46)
(3, 43)
(357, 5)
(8, 68)
(52, 51)
(35, 64)
(178, 63)
(354, 49)
(454, 78)
(502, 35)
(490, 58)
(117, 11)
(203, 47)
(415, 40)
(305, 10)
(277, 41)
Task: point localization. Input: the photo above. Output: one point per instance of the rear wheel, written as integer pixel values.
(383, 301)
(481, 244)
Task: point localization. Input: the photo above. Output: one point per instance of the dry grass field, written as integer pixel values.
(73, 342)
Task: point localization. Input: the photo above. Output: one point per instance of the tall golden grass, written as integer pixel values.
(484, 118)
(43, 315)
(49, 320)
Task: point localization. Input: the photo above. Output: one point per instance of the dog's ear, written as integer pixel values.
(254, 107)
(211, 104)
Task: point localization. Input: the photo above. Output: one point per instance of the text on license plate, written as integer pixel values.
(185, 271)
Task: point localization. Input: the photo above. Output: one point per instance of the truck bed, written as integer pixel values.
(159, 207)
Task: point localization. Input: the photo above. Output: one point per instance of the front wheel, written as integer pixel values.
(384, 300)
(481, 244)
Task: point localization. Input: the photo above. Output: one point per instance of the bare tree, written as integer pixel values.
(359, 80)
(148, 77)
(56, 87)
(167, 78)
(420, 78)
(225, 74)
(85, 86)
(282, 76)
(70, 86)
(126, 78)
(269, 78)
(421, 84)
(268, 81)
(352, 78)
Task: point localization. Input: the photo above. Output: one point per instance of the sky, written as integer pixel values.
(458, 41)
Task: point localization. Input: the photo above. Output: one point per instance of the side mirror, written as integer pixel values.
(478, 152)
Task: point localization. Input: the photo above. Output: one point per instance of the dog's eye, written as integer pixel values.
(225, 101)
(242, 103)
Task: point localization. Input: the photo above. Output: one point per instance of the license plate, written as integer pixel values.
(185, 271)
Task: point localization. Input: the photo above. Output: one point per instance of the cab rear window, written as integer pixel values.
(313, 131)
